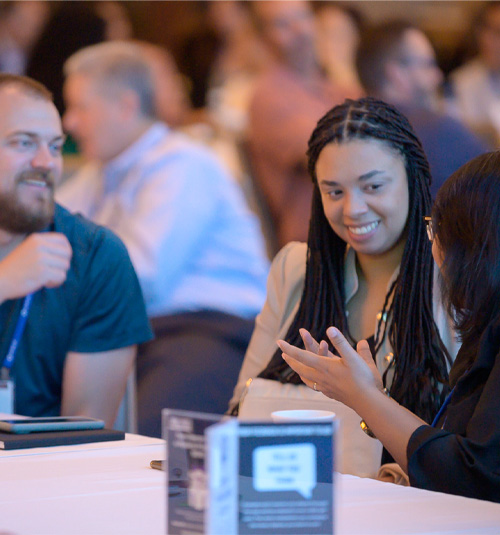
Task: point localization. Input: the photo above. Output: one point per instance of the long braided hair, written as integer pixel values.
(420, 358)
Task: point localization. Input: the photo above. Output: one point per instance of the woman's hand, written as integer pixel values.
(345, 379)
(312, 345)
(355, 381)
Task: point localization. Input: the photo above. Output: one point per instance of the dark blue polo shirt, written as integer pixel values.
(98, 308)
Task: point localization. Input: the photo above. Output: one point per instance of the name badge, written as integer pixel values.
(7, 396)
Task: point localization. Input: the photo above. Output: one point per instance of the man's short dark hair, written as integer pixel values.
(26, 85)
(378, 46)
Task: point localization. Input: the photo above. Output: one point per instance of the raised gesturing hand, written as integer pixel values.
(343, 378)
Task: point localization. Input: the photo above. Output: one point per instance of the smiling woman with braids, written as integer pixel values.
(459, 452)
(367, 267)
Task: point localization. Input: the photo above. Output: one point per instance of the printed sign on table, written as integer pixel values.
(184, 432)
(267, 478)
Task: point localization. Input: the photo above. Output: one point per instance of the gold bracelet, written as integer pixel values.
(364, 425)
(366, 429)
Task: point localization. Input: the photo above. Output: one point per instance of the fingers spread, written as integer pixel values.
(341, 344)
(301, 355)
(307, 374)
(309, 342)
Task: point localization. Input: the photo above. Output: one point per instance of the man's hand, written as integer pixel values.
(41, 260)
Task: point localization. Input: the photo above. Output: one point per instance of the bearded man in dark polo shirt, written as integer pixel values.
(71, 309)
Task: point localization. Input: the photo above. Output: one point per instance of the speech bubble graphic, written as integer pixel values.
(285, 467)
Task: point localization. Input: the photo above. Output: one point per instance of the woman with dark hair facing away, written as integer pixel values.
(459, 452)
(367, 267)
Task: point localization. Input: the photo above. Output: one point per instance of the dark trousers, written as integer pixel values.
(192, 364)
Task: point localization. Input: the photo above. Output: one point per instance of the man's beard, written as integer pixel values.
(18, 217)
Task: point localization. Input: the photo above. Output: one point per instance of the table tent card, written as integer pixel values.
(270, 478)
(226, 477)
(184, 432)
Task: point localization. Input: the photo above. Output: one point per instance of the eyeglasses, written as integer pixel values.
(429, 227)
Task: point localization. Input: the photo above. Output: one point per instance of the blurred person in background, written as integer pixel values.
(119, 25)
(220, 63)
(476, 84)
(338, 29)
(172, 106)
(288, 99)
(241, 58)
(196, 247)
(20, 26)
(396, 63)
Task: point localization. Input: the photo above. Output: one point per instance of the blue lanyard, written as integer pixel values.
(444, 406)
(16, 338)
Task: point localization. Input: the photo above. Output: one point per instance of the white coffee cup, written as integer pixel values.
(304, 415)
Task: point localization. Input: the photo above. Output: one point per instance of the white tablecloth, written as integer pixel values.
(109, 488)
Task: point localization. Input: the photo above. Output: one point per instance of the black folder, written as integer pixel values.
(13, 441)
